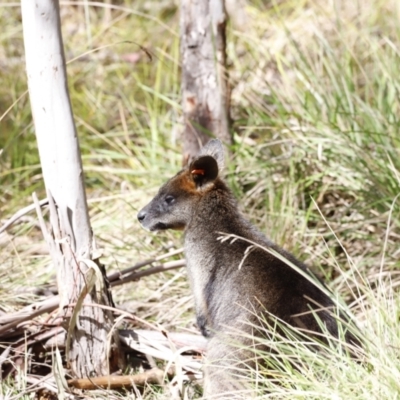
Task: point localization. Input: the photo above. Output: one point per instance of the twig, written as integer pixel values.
(21, 213)
(152, 376)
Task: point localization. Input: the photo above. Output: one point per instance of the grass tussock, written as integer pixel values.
(315, 103)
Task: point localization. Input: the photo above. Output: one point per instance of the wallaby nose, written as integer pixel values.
(141, 215)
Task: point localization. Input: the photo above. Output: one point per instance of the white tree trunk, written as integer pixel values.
(71, 241)
(205, 94)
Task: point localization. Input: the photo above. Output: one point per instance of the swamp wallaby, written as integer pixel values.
(234, 282)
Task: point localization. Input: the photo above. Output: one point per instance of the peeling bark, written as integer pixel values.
(205, 95)
(74, 254)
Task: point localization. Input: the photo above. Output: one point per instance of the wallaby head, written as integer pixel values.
(175, 203)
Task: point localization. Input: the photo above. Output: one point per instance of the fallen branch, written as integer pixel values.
(152, 376)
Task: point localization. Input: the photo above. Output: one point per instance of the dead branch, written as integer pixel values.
(152, 376)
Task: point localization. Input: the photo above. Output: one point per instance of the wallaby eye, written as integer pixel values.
(169, 199)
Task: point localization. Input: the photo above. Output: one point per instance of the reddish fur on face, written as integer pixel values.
(185, 183)
(198, 172)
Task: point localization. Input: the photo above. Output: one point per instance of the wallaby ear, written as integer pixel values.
(203, 169)
(215, 149)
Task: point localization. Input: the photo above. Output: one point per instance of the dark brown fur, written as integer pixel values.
(228, 298)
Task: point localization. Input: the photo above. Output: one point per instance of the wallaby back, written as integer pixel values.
(234, 282)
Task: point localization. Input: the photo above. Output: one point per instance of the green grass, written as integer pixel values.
(315, 103)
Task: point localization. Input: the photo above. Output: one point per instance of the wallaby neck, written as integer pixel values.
(217, 213)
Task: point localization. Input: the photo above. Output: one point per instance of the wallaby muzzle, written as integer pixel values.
(148, 220)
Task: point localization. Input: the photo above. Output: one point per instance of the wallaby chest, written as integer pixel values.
(200, 264)
(217, 282)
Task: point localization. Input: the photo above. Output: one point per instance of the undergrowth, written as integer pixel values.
(315, 105)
